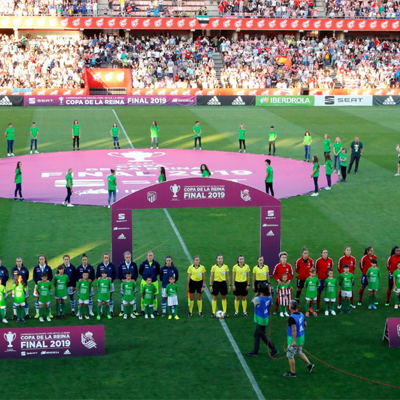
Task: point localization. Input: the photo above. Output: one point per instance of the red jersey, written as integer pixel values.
(323, 266)
(365, 263)
(351, 261)
(392, 263)
(281, 269)
(303, 268)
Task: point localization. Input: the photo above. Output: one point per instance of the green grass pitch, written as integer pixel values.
(192, 358)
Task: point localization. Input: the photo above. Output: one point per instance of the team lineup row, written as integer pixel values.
(314, 277)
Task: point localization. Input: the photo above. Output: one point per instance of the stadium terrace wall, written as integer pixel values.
(232, 23)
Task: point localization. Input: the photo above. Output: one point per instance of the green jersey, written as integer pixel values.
(373, 275)
(10, 133)
(18, 176)
(328, 167)
(76, 129)
(327, 145)
(84, 288)
(343, 159)
(154, 131)
(3, 293)
(272, 136)
(68, 178)
(161, 178)
(356, 148)
(307, 140)
(34, 131)
(112, 182)
(60, 285)
(149, 293)
(104, 287)
(337, 147)
(172, 290)
(197, 130)
(128, 289)
(316, 169)
(396, 277)
(346, 281)
(44, 289)
(312, 285)
(115, 131)
(270, 173)
(330, 288)
(19, 293)
(205, 174)
(242, 134)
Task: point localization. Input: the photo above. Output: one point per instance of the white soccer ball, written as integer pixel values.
(220, 314)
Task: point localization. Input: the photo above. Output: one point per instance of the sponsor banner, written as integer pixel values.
(350, 92)
(226, 100)
(283, 101)
(194, 23)
(392, 332)
(69, 101)
(43, 92)
(351, 100)
(11, 101)
(108, 78)
(386, 100)
(46, 342)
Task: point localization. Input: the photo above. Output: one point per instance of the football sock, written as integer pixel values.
(91, 304)
(15, 309)
(200, 305)
(164, 306)
(134, 306)
(142, 304)
(224, 306)
(155, 303)
(352, 298)
(2, 313)
(26, 308)
(388, 293)
(244, 305)
(72, 304)
(314, 306)
(276, 303)
(237, 302)
(327, 306)
(111, 306)
(298, 295)
(98, 309)
(281, 308)
(147, 310)
(122, 305)
(360, 294)
(108, 310)
(40, 312)
(18, 312)
(175, 310)
(37, 306)
(86, 309)
(62, 307)
(81, 312)
(191, 304)
(318, 299)
(340, 299)
(47, 311)
(214, 306)
(125, 309)
(170, 310)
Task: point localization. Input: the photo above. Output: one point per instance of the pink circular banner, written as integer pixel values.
(43, 175)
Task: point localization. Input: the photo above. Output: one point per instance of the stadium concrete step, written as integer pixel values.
(218, 64)
(212, 7)
(102, 4)
(321, 9)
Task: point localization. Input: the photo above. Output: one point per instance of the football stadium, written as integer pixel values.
(207, 188)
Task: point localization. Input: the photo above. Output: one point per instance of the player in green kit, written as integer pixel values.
(84, 288)
(271, 140)
(128, 289)
(242, 138)
(149, 292)
(61, 291)
(346, 281)
(327, 145)
(197, 135)
(154, 132)
(330, 293)
(328, 171)
(373, 275)
(269, 178)
(172, 292)
(115, 135)
(69, 183)
(10, 135)
(18, 293)
(103, 288)
(34, 132)
(311, 284)
(3, 294)
(44, 288)
(112, 186)
(76, 134)
(396, 286)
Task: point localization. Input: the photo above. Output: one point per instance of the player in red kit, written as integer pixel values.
(282, 268)
(391, 265)
(303, 265)
(365, 264)
(348, 259)
(322, 265)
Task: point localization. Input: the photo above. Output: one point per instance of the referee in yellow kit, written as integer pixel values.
(219, 276)
(241, 284)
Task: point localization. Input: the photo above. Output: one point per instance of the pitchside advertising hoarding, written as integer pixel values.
(386, 101)
(47, 342)
(284, 101)
(11, 101)
(226, 101)
(68, 101)
(391, 332)
(328, 101)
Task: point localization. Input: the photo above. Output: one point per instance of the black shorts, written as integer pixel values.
(219, 288)
(195, 286)
(300, 283)
(241, 289)
(256, 283)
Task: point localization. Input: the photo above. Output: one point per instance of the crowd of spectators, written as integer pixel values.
(289, 63)
(387, 9)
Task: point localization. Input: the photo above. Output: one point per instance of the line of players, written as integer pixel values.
(220, 282)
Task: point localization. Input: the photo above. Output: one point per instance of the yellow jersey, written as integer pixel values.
(241, 273)
(261, 273)
(196, 274)
(220, 272)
